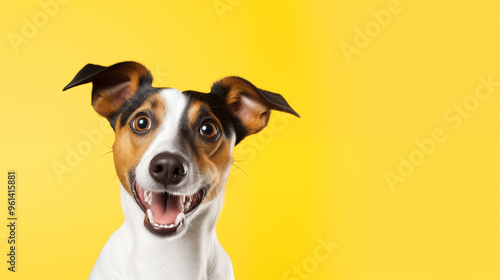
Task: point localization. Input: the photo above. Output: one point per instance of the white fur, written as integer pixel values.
(132, 252)
(165, 141)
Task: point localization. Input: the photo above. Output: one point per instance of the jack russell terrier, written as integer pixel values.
(172, 155)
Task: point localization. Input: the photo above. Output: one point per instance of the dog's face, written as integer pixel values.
(173, 150)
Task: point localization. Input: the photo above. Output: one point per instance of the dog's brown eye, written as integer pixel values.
(209, 130)
(141, 123)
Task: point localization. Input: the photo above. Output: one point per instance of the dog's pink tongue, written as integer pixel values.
(165, 208)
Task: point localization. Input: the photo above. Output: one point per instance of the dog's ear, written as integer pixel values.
(111, 86)
(250, 105)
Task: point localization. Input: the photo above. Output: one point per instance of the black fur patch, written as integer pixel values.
(187, 134)
(218, 107)
(219, 92)
(136, 101)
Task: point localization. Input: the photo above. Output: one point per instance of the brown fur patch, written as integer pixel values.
(194, 111)
(247, 104)
(212, 158)
(214, 165)
(129, 147)
(106, 104)
(124, 82)
(253, 114)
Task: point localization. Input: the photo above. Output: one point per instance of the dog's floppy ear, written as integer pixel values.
(250, 105)
(111, 86)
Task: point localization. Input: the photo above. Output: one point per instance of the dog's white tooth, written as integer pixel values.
(166, 226)
(150, 216)
(179, 218)
(183, 199)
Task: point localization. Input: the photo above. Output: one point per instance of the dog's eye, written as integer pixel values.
(209, 130)
(141, 123)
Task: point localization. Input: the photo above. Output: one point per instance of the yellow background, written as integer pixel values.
(316, 178)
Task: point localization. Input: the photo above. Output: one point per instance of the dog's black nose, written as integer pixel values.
(168, 168)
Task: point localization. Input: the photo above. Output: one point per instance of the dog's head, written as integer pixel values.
(173, 150)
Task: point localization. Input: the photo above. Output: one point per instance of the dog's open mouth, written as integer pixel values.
(165, 212)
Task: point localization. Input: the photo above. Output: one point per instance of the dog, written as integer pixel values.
(172, 155)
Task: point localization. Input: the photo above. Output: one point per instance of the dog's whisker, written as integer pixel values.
(243, 171)
(112, 179)
(108, 147)
(241, 160)
(102, 156)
